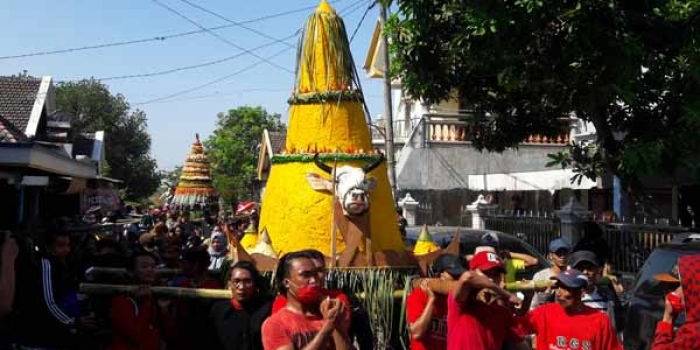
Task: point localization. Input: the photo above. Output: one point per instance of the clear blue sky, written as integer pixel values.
(40, 25)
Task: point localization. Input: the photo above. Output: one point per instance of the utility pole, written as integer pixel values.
(388, 117)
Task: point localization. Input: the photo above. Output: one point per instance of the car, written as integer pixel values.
(646, 299)
(469, 239)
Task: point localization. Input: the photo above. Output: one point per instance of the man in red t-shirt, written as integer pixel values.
(426, 312)
(568, 323)
(479, 316)
(309, 320)
(319, 260)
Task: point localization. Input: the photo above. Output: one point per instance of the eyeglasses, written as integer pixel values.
(242, 282)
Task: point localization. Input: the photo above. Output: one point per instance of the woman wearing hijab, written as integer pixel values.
(218, 251)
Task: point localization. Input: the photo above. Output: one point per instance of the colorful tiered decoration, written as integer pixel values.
(195, 185)
(425, 244)
(326, 118)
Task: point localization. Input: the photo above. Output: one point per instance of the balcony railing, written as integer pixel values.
(447, 130)
(402, 129)
(444, 129)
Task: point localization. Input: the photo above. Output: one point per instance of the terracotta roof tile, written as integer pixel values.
(17, 96)
(277, 140)
(8, 133)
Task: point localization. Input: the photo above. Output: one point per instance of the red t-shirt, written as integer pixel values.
(588, 329)
(281, 301)
(478, 326)
(287, 327)
(134, 324)
(436, 336)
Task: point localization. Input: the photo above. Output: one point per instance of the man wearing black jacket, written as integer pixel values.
(238, 322)
(47, 302)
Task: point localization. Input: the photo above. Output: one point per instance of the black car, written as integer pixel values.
(646, 304)
(469, 239)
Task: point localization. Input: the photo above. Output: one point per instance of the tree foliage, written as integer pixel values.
(525, 66)
(127, 142)
(232, 149)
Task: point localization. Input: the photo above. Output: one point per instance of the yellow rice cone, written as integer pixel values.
(250, 237)
(326, 116)
(264, 246)
(425, 243)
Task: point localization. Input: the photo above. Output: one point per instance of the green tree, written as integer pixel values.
(632, 68)
(232, 149)
(127, 142)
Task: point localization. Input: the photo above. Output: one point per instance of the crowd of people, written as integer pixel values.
(41, 307)
(579, 310)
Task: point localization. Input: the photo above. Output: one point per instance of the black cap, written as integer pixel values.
(571, 278)
(449, 263)
(580, 256)
(489, 239)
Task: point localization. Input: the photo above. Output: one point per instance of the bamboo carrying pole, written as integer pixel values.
(177, 292)
(444, 287)
(121, 270)
(436, 285)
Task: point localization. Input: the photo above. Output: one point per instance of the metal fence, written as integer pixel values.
(536, 229)
(425, 214)
(629, 244)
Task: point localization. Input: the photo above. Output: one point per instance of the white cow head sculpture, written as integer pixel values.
(353, 185)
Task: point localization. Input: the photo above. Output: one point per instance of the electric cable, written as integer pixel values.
(235, 23)
(220, 79)
(194, 66)
(212, 82)
(219, 37)
(151, 39)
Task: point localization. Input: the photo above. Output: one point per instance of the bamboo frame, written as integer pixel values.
(177, 292)
(445, 286)
(121, 270)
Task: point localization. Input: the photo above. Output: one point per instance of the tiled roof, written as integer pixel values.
(8, 133)
(277, 140)
(17, 96)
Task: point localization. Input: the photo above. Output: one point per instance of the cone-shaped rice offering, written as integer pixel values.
(302, 207)
(425, 244)
(264, 246)
(195, 186)
(250, 237)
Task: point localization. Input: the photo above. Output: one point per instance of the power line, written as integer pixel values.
(194, 66)
(151, 39)
(350, 9)
(212, 82)
(220, 79)
(359, 24)
(219, 37)
(236, 23)
(219, 94)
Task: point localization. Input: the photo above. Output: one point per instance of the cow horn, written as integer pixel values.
(369, 167)
(322, 166)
